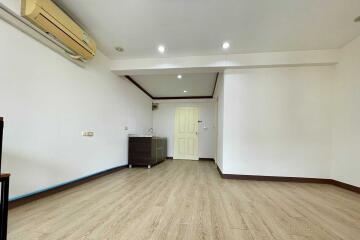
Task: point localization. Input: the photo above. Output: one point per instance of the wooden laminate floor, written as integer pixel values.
(188, 200)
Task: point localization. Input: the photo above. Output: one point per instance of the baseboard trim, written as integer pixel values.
(345, 186)
(207, 159)
(290, 179)
(220, 172)
(200, 159)
(21, 200)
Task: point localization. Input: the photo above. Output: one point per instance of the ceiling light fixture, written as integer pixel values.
(357, 19)
(226, 45)
(179, 76)
(119, 49)
(161, 49)
(185, 91)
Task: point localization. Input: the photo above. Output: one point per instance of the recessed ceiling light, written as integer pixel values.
(226, 45)
(179, 76)
(161, 49)
(357, 19)
(119, 49)
(185, 91)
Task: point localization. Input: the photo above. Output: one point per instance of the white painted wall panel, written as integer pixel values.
(277, 121)
(47, 101)
(219, 119)
(164, 120)
(346, 124)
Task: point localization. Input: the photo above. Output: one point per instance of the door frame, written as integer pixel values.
(196, 125)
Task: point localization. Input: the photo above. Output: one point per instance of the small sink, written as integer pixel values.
(140, 135)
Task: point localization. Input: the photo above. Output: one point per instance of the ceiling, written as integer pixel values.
(198, 27)
(196, 84)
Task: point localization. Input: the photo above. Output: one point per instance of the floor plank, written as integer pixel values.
(181, 199)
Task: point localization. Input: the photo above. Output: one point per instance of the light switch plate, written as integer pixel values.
(87, 134)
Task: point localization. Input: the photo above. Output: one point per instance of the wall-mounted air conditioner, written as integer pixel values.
(52, 20)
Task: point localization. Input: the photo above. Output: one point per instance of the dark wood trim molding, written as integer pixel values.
(273, 178)
(4, 176)
(290, 179)
(207, 159)
(52, 191)
(187, 97)
(219, 170)
(216, 80)
(345, 186)
(170, 98)
(276, 178)
(200, 159)
(138, 86)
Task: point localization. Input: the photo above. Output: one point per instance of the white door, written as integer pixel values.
(186, 133)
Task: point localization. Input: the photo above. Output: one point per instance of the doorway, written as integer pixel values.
(186, 141)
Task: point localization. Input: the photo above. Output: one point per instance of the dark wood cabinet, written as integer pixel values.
(4, 193)
(1, 137)
(147, 151)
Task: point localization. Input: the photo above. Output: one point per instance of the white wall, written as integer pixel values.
(346, 117)
(14, 5)
(219, 119)
(277, 121)
(164, 119)
(47, 101)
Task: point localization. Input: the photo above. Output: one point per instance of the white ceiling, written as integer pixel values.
(197, 84)
(198, 27)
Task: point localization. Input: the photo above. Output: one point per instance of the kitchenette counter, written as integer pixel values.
(146, 150)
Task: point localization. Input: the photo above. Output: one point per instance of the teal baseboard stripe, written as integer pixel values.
(29, 197)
